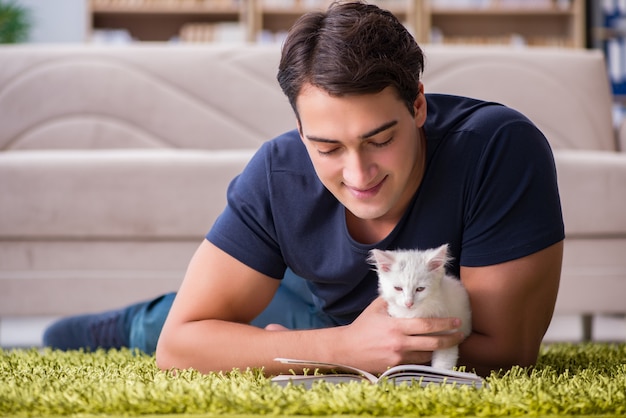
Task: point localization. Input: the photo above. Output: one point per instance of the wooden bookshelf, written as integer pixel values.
(548, 23)
(279, 15)
(554, 22)
(162, 20)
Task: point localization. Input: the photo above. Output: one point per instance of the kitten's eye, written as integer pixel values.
(398, 289)
(419, 289)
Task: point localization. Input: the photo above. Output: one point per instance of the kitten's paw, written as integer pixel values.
(443, 365)
(445, 359)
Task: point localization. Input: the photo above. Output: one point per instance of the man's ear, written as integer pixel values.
(419, 107)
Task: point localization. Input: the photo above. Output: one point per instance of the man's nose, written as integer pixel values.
(358, 171)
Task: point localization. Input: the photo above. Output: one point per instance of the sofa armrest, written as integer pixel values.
(592, 185)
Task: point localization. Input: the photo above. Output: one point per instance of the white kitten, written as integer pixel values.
(414, 284)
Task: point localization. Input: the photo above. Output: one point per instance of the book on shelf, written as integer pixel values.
(405, 373)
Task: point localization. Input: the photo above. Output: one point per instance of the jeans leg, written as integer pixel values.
(147, 323)
(292, 307)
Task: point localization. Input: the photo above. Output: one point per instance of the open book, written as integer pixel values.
(410, 373)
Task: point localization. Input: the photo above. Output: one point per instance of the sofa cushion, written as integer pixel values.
(114, 193)
(592, 185)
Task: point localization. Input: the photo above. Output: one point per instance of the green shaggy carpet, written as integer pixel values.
(569, 380)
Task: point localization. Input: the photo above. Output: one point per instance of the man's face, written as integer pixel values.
(366, 149)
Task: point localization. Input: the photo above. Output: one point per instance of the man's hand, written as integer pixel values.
(380, 341)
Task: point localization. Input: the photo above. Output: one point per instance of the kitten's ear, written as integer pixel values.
(439, 258)
(381, 259)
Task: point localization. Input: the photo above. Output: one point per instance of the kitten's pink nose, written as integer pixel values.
(408, 304)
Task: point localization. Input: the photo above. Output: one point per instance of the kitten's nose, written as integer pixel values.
(408, 304)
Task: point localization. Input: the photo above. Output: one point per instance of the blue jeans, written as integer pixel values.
(292, 307)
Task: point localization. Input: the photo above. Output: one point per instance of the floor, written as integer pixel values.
(27, 332)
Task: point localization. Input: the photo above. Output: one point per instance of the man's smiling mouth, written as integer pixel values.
(366, 193)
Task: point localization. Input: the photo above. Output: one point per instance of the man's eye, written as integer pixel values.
(327, 152)
(383, 144)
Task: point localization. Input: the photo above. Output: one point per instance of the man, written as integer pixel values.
(374, 163)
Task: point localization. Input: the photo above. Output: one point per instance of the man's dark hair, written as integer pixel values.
(352, 48)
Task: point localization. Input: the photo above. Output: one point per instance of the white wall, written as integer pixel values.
(57, 21)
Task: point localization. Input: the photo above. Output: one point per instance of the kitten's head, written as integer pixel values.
(405, 277)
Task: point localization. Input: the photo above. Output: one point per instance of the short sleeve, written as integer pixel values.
(245, 229)
(512, 205)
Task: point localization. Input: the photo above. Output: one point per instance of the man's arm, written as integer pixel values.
(207, 329)
(512, 305)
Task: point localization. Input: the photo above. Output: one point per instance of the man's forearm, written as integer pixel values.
(214, 345)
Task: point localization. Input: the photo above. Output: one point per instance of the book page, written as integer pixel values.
(331, 366)
(427, 374)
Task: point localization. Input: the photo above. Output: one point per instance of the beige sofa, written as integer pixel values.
(114, 161)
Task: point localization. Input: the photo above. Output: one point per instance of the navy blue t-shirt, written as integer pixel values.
(489, 191)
